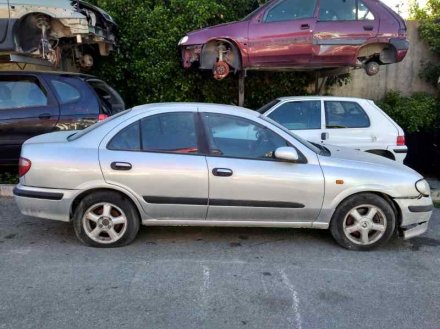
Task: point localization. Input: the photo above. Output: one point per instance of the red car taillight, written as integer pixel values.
(102, 117)
(401, 141)
(24, 165)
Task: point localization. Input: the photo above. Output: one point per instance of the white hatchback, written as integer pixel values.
(351, 122)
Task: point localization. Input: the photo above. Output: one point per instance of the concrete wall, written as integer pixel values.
(403, 76)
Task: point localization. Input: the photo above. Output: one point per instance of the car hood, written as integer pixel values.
(368, 161)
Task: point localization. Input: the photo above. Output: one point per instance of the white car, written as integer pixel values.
(351, 122)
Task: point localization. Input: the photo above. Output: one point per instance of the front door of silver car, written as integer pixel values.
(247, 182)
(158, 159)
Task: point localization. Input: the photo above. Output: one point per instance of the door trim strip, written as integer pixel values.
(222, 202)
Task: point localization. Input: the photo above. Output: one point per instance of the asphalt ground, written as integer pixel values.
(213, 278)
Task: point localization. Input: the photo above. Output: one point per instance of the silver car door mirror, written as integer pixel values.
(287, 153)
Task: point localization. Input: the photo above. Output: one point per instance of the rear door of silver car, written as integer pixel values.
(158, 159)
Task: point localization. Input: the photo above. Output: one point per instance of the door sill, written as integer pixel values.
(216, 223)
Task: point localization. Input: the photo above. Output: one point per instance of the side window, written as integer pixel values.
(231, 136)
(21, 92)
(338, 10)
(345, 115)
(298, 115)
(364, 13)
(170, 132)
(288, 10)
(65, 92)
(75, 96)
(128, 139)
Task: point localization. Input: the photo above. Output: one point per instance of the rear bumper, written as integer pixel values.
(416, 214)
(399, 152)
(45, 203)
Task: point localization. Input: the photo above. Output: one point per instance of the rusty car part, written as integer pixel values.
(44, 31)
(221, 70)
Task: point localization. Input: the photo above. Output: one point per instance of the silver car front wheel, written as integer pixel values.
(363, 222)
(365, 225)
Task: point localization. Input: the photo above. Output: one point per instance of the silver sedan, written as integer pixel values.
(214, 165)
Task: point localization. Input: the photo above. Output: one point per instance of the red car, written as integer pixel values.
(301, 35)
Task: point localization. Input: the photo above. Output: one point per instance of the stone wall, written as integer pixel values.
(403, 76)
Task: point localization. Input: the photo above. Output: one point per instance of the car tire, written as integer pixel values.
(106, 220)
(363, 222)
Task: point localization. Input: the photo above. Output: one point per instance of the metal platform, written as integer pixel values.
(23, 60)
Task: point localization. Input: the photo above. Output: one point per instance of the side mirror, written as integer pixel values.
(287, 153)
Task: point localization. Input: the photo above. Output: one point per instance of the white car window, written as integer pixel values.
(298, 115)
(342, 114)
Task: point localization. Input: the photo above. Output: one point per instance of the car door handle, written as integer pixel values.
(368, 27)
(121, 166)
(222, 172)
(324, 136)
(44, 116)
(305, 27)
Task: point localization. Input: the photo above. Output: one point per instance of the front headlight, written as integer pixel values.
(423, 187)
(183, 40)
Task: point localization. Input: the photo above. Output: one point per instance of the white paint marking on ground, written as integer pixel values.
(264, 286)
(297, 323)
(204, 291)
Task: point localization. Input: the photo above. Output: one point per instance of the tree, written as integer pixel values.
(147, 66)
(429, 18)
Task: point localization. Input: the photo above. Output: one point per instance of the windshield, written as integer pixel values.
(268, 106)
(258, 8)
(307, 144)
(81, 133)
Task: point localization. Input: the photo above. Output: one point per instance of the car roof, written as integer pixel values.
(298, 98)
(60, 73)
(202, 107)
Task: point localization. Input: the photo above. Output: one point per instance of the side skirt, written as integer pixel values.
(211, 223)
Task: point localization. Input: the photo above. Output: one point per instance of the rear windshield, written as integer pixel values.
(81, 133)
(111, 101)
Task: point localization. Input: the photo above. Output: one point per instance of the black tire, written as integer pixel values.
(386, 215)
(131, 226)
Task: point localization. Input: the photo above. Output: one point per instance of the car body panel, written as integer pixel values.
(67, 167)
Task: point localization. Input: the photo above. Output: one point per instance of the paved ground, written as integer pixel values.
(213, 278)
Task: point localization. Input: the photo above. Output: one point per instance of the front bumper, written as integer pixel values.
(416, 214)
(45, 203)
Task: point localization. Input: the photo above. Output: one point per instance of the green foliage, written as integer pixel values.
(147, 67)
(430, 72)
(8, 178)
(429, 29)
(429, 18)
(418, 112)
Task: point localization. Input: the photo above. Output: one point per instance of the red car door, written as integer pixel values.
(282, 35)
(343, 26)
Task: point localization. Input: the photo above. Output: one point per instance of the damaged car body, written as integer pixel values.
(297, 35)
(44, 29)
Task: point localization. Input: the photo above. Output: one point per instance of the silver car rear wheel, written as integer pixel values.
(104, 223)
(365, 225)
(106, 219)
